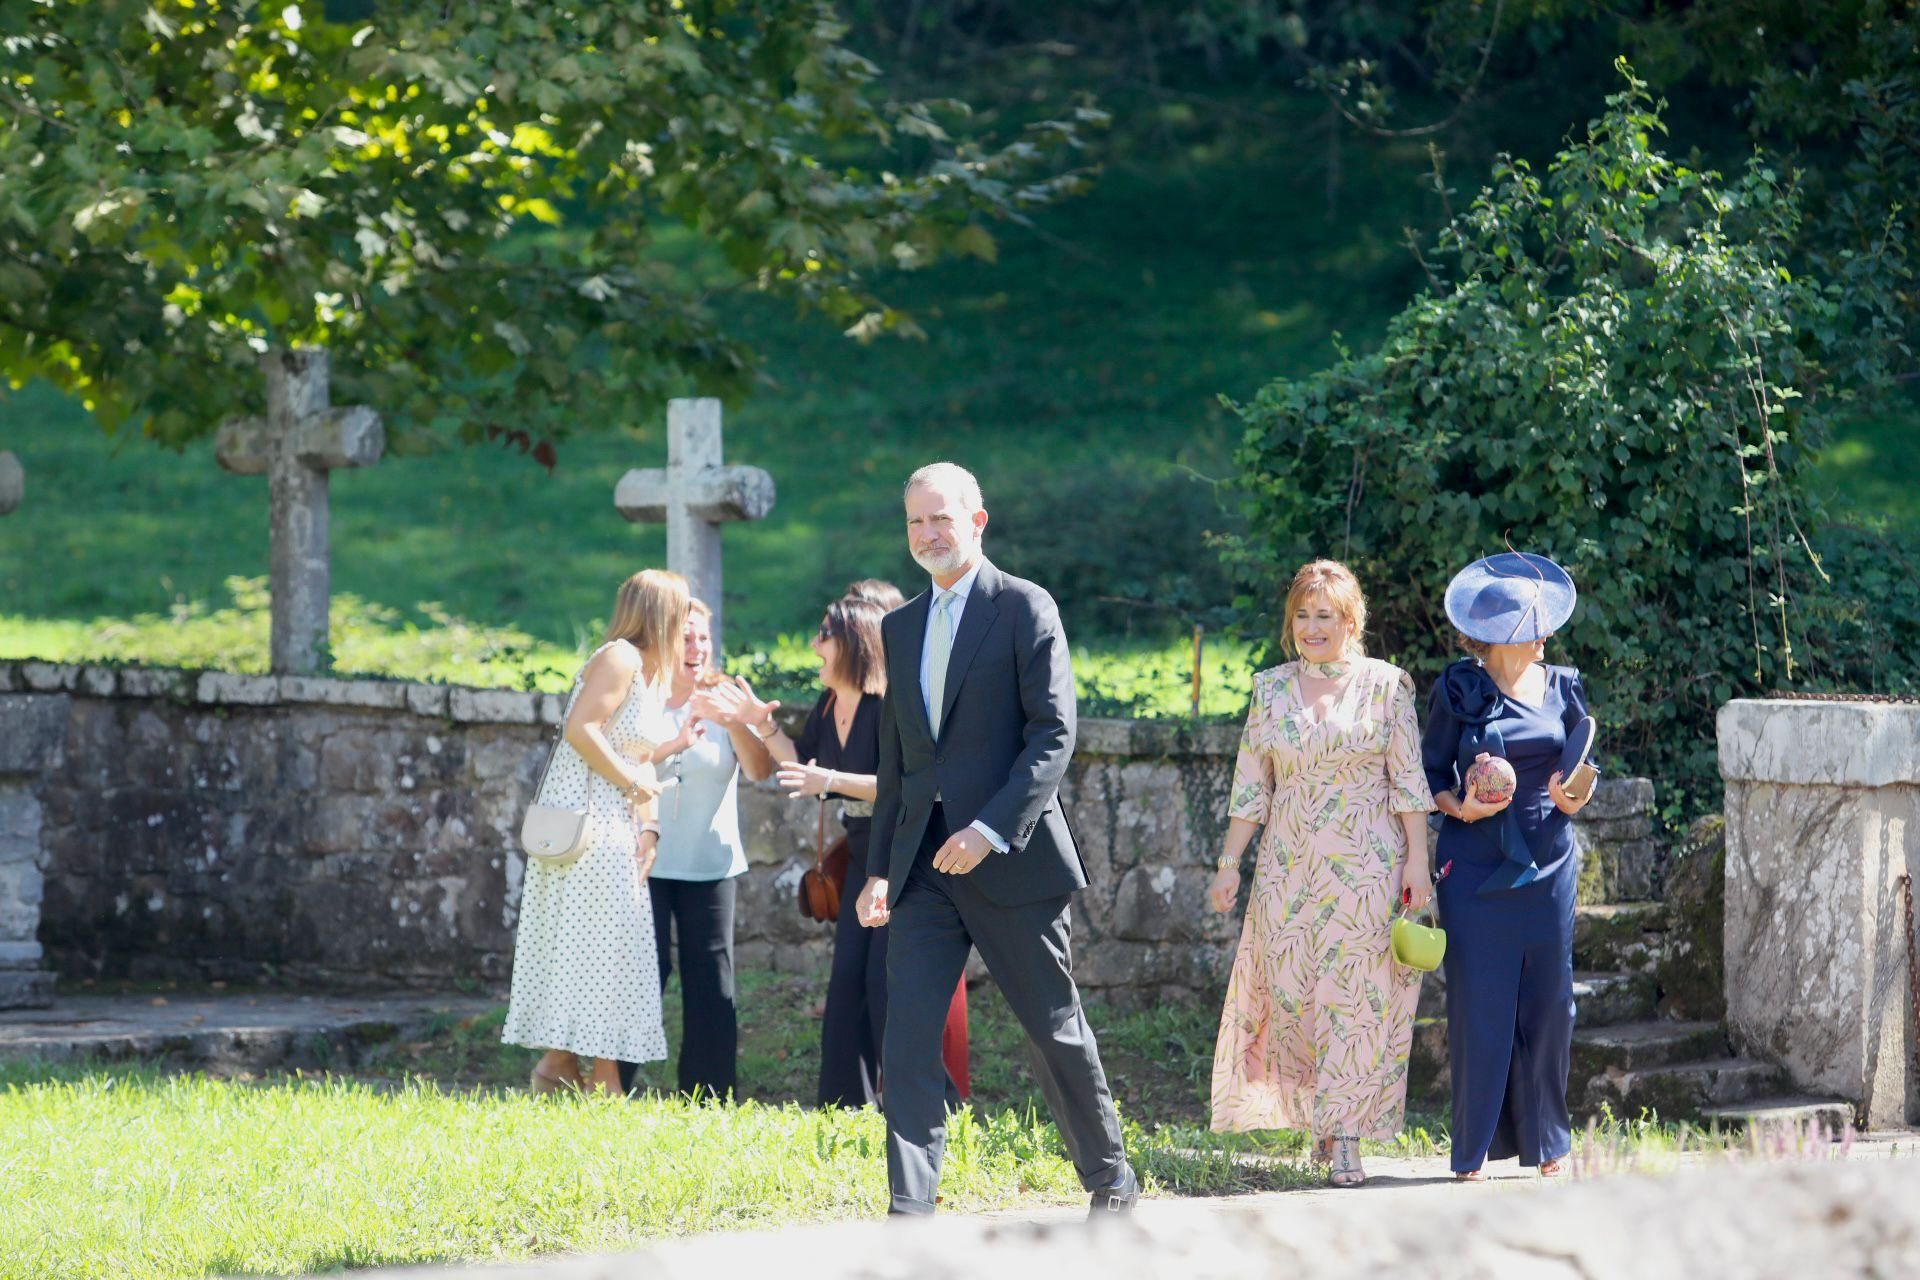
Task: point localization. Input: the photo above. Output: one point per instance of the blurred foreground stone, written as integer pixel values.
(1762, 1222)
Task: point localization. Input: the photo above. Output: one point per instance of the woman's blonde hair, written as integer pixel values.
(650, 613)
(1336, 582)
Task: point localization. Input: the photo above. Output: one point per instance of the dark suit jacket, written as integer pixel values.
(1006, 735)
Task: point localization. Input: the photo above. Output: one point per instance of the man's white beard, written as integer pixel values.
(946, 561)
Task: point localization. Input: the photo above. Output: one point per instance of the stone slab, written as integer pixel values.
(32, 729)
(493, 706)
(1849, 744)
(231, 1032)
(1814, 936)
(155, 682)
(380, 694)
(1615, 799)
(225, 687)
(25, 989)
(49, 677)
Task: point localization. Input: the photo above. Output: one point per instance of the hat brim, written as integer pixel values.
(1551, 609)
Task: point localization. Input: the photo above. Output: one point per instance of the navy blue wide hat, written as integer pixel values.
(1511, 598)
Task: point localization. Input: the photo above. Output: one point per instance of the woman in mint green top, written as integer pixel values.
(693, 880)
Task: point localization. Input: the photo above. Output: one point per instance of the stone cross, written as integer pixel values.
(13, 483)
(694, 496)
(294, 446)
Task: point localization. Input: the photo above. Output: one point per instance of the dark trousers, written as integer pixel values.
(1028, 950)
(854, 1028)
(1509, 967)
(700, 912)
(856, 1018)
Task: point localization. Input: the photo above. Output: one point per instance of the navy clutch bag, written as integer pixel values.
(1577, 772)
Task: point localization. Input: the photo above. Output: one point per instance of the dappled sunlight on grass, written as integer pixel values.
(430, 643)
(1872, 474)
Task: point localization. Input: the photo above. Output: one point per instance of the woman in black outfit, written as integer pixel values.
(836, 754)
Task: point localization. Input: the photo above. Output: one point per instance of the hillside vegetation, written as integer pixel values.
(1231, 237)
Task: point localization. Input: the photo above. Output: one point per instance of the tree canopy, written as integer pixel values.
(463, 202)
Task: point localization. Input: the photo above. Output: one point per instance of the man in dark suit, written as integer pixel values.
(971, 843)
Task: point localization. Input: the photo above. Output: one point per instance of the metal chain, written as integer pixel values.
(1913, 966)
(1899, 699)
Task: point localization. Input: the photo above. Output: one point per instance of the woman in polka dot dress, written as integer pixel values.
(586, 983)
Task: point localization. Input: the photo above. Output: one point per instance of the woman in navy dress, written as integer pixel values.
(1507, 903)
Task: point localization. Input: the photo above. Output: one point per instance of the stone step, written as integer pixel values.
(1792, 1111)
(1601, 998)
(1641, 1046)
(1608, 999)
(1681, 1091)
(224, 1033)
(1614, 1027)
(1618, 935)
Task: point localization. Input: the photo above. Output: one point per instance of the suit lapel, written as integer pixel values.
(906, 664)
(975, 620)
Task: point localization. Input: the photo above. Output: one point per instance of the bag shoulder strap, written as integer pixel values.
(566, 710)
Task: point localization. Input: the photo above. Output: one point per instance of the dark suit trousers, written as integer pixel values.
(701, 913)
(1028, 950)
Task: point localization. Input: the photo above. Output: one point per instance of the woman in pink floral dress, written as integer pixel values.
(1319, 1017)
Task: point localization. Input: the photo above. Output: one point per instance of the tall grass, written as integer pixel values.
(139, 1175)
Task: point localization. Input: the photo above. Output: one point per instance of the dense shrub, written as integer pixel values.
(1617, 366)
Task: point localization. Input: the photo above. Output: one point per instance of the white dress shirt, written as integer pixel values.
(961, 590)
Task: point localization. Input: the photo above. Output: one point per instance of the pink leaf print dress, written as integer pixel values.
(1319, 1017)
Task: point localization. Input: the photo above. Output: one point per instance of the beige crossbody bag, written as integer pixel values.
(549, 834)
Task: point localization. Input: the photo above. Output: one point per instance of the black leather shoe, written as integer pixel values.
(1117, 1199)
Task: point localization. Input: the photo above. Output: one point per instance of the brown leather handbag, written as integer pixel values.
(822, 883)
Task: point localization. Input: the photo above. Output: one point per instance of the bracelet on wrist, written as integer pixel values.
(771, 729)
(1226, 864)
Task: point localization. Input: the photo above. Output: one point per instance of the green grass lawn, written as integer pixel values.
(430, 1150)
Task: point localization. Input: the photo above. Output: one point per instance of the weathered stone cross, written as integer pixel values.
(294, 446)
(694, 495)
(13, 483)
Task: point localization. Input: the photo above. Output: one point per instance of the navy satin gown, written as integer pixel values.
(1507, 907)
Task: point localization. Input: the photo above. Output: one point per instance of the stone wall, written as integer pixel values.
(215, 826)
(1822, 823)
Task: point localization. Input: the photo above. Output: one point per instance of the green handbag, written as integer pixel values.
(1418, 946)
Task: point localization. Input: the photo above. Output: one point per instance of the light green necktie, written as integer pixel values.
(941, 644)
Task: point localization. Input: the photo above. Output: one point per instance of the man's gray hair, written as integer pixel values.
(951, 479)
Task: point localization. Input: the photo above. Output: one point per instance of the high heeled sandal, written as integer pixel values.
(540, 1082)
(1553, 1168)
(1321, 1152)
(1470, 1175)
(1346, 1164)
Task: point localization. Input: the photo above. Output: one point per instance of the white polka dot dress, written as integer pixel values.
(585, 976)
